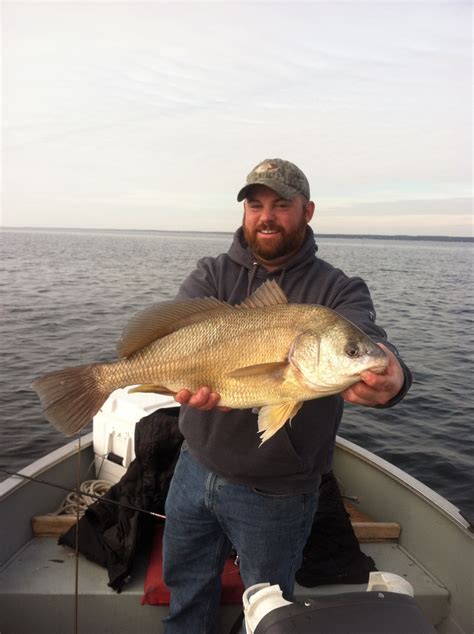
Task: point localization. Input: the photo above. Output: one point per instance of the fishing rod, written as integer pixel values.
(79, 492)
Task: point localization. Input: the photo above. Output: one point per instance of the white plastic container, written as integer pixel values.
(389, 582)
(258, 601)
(114, 430)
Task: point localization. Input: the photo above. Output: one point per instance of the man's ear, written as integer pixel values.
(309, 210)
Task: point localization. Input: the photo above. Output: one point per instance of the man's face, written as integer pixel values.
(273, 226)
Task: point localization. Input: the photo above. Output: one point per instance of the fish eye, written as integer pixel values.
(352, 350)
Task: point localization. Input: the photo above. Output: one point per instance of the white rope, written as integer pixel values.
(73, 500)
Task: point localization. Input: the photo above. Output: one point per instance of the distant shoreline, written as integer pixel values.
(345, 236)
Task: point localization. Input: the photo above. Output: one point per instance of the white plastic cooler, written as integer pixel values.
(114, 430)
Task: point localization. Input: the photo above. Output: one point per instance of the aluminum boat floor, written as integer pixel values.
(37, 593)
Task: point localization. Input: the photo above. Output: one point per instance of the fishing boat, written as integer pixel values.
(407, 528)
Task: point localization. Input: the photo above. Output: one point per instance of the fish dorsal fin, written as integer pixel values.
(163, 318)
(268, 294)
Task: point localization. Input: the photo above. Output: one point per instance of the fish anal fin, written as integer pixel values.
(149, 387)
(268, 294)
(163, 318)
(274, 370)
(271, 418)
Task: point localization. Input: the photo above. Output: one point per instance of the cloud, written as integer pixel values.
(126, 111)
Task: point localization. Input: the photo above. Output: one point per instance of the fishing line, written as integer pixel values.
(77, 491)
(76, 580)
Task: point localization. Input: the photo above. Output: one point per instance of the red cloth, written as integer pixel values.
(156, 593)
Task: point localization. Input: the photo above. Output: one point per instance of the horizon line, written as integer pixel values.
(397, 236)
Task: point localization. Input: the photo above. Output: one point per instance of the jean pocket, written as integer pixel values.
(272, 494)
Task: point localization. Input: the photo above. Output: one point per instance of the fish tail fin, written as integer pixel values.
(71, 397)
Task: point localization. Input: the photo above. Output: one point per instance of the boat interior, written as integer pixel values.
(44, 587)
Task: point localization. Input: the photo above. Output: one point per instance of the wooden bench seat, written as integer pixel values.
(365, 528)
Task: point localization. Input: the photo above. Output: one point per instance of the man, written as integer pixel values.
(227, 491)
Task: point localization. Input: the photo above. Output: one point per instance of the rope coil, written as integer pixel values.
(77, 502)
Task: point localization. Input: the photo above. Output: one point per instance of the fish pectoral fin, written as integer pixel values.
(149, 387)
(262, 369)
(272, 417)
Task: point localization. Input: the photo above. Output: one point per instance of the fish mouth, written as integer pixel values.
(378, 368)
(376, 359)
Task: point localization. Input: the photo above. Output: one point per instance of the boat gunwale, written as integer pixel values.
(411, 483)
(44, 464)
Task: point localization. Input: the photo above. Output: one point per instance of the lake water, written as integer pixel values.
(66, 295)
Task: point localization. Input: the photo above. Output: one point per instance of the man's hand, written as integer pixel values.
(377, 389)
(203, 399)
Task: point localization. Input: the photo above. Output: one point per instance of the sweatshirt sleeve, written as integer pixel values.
(350, 297)
(202, 282)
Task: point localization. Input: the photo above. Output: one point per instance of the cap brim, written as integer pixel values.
(243, 193)
(280, 188)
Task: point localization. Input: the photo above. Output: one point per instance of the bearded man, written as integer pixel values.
(227, 490)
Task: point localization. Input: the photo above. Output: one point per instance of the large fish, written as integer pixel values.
(263, 353)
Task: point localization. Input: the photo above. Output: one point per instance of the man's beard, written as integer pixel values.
(283, 243)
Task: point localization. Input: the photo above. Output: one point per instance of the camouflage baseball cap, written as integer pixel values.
(282, 176)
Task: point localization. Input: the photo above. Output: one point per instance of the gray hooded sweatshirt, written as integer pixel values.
(227, 443)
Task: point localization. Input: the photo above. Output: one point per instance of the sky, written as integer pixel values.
(149, 115)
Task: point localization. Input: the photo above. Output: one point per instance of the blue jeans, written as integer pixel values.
(207, 515)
